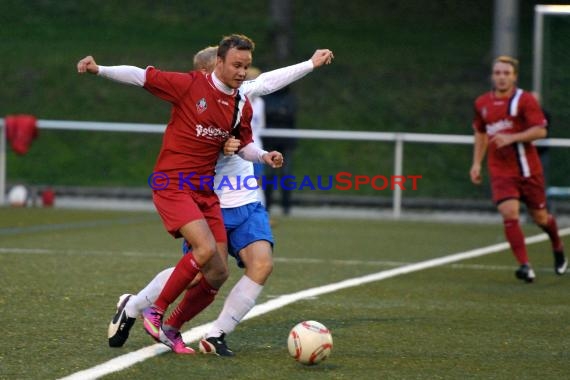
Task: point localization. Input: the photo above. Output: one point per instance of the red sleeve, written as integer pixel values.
(166, 85)
(531, 112)
(478, 122)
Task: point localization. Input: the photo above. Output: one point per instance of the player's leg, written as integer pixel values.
(121, 324)
(214, 271)
(535, 199)
(198, 297)
(506, 195)
(149, 294)
(184, 215)
(254, 235)
(198, 234)
(130, 306)
(548, 224)
(509, 211)
(241, 299)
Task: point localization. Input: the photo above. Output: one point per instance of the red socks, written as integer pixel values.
(515, 237)
(195, 300)
(184, 272)
(552, 230)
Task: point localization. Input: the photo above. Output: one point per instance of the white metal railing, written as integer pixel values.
(397, 137)
(540, 11)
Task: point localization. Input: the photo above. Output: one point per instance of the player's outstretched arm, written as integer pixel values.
(123, 74)
(87, 65)
(275, 80)
(253, 153)
(322, 57)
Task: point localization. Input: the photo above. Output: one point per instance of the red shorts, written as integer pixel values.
(529, 190)
(177, 208)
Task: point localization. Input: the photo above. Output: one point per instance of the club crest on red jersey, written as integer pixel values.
(201, 106)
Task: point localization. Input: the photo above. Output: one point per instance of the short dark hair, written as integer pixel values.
(238, 41)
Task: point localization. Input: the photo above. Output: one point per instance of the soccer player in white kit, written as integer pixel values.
(250, 240)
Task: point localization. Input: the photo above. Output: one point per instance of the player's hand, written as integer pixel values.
(322, 57)
(87, 65)
(273, 159)
(475, 174)
(501, 140)
(231, 146)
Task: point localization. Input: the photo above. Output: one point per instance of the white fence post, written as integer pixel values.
(398, 164)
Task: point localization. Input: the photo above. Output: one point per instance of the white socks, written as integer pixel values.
(146, 297)
(239, 302)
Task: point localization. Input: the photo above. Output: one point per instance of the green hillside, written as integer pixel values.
(400, 66)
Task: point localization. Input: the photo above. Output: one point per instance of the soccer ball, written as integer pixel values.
(310, 342)
(18, 196)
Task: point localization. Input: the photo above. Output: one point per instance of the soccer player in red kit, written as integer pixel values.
(507, 120)
(206, 111)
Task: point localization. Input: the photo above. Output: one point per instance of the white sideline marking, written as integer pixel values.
(124, 361)
(286, 260)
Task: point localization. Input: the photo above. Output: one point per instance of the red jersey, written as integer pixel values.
(509, 115)
(202, 119)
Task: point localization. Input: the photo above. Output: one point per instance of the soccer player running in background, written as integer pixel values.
(206, 111)
(249, 233)
(507, 120)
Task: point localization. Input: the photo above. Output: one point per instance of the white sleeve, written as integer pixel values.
(124, 74)
(274, 80)
(252, 153)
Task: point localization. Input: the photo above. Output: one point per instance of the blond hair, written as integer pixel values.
(508, 60)
(205, 59)
(252, 73)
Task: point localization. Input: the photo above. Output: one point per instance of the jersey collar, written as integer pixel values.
(220, 85)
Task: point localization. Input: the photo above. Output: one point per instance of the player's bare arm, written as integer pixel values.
(531, 134)
(479, 149)
(87, 65)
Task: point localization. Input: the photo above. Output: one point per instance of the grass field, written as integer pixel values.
(61, 272)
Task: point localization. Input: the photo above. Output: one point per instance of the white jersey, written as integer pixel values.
(233, 169)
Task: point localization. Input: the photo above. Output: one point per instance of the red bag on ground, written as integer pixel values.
(21, 130)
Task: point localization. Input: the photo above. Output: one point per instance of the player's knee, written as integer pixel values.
(540, 220)
(204, 252)
(261, 268)
(510, 214)
(216, 276)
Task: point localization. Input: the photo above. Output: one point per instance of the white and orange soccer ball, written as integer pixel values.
(310, 342)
